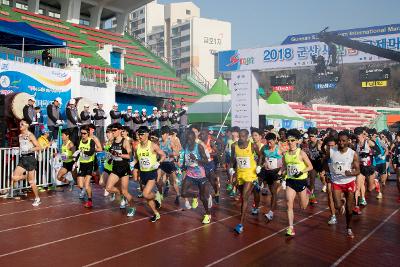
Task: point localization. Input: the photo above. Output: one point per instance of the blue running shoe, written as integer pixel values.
(239, 228)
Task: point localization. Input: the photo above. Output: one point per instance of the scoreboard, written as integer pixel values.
(374, 77)
(285, 82)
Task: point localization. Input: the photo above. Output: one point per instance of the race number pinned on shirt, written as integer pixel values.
(292, 169)
(145, 162)
(339, 167)
(366, 161)
(190, 162)
(271, 163)
(243, 162)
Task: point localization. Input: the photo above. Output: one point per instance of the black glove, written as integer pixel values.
(298, 174)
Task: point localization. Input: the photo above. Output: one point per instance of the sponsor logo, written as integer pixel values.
(5, 81)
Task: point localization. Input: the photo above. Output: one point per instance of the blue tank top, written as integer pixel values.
(193, 169)
(272, 158)
(166, 148)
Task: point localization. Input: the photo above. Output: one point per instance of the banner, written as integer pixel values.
(374, 84)
(299, 55)
(44, 83)
(244, 88)
(282, 88)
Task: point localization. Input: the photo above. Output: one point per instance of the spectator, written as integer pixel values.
(46, 58)
(29, 114)
(99, 121)
(85, 116)
(54, 117)
(72, 120)
(115, 114)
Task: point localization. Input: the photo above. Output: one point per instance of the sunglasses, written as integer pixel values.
(291, 140)
(114, 130)
(82, 133)
(141, 134)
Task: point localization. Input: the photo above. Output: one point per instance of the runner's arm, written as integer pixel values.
(307, 161)
(159, 152)
(203, 157)
(34, 141)
(127, 146)
(355, 167)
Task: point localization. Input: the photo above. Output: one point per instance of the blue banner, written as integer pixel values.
(322, 86)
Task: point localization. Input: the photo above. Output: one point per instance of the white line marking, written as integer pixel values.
(35, 209)
(336, 263)
(79, 235)
(23, 200)
(261, 240)
(156, 242)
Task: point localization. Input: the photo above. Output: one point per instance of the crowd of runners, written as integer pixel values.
(349, 164)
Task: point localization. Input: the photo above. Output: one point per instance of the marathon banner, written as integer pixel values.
(300, 55)
(44, 83)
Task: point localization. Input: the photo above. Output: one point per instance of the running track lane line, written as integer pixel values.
(336, 263)
(261, 240)
(79, 235)
(43, 208)
(156, 242)
(23, 200)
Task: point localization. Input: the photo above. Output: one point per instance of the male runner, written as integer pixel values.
(67, 150)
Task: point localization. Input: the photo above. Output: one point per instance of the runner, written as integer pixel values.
(67, 150)
(296, 166)
(27, 164)
(380, 152)
(396, 161)
(256, 136)
(271, 160)
(230, 185)
(344, 167)
(168, 167)
(86, 152)
(242, 156)
(121, 154)
(107, 160)
(194, 160)
(146, 155)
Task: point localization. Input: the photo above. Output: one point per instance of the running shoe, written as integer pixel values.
(195, 203)
(216, 199)
(350, 233)
(155, 218)
(229, 187)
(324, 188)
(239, 228)
(88, 204)
(82, 194)
(122, 204)
(187, 205)
(379, 195)
(36, 202)
(131, 212)
(206, 219)
(377, 186)
(210, 202)
(362, 201)
(290, 231)
(158, 200)
(254, 211)
(313, 199)
(256, 186)
(357, 210)
(41, 189)
(71, 185)
(140, 195)
(177, 200)
(106, 193)
(332, 220)
(112, 197)
(270, 215)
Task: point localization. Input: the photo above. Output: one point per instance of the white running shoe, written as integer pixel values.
(269, 215)
(36, 202)
(324, 188)
(332, 220)
(187, 205)
(122, 204)
(379, 196)
(106, 193)
(210, 202)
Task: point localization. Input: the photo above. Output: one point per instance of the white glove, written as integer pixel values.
(258, 169)
(156, 165)
(34, 123)
(231, 171)
(76, 153)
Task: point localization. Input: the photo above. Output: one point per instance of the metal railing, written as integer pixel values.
(45, 172)
(29, 56)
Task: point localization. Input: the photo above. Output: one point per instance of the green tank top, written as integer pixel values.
(66, 153)
(107, 165)
(147, 158)
(85, 147)
(294, 165)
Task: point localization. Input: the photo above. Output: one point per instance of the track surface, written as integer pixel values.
(61, 232)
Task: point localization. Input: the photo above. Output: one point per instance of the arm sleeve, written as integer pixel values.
(50, 114)
(26, 115)
(92, 149)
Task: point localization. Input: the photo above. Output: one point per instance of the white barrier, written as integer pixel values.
(45, 171)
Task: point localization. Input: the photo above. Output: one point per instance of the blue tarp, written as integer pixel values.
(12, 34)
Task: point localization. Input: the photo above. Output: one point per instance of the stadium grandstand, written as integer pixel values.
(81, 25)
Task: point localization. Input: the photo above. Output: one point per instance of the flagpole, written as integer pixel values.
(226, 117)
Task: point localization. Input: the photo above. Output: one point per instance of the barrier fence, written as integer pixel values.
(45, 172)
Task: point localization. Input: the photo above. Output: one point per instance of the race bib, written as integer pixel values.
(271, 163)
(84, 157)
(292, 169)
(145, 163)
(190, 162)
(243, 162)
(339, 167)
(116, 158)
(365, 161)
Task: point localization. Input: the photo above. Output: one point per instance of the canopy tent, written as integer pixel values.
(380, 123)
(276, 108)
(213, 107)
(22, 36)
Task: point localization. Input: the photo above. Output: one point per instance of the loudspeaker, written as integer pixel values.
(262, 122)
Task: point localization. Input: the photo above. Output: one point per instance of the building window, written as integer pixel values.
(188, 12)
(141, 11)
(21, 6)
(41, 11)
(6, 2)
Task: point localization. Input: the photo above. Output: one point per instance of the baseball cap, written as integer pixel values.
(155, 109)
(136, 111)
(32, 98)
(58, 99)
(129, 107)
(144, 110)
(116, 105)
(164, 111)
(72, 101)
